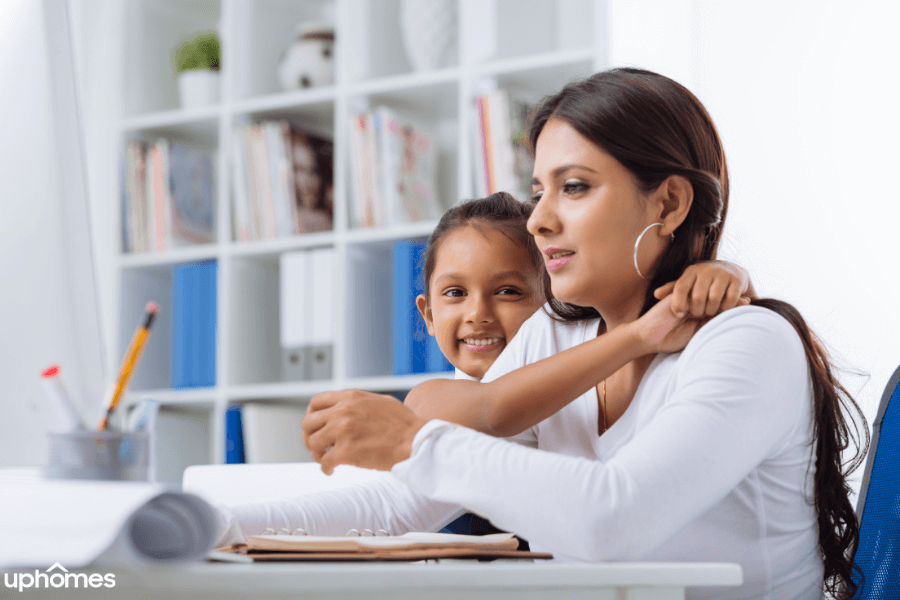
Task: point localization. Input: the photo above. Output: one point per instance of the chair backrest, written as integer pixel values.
(878, 554)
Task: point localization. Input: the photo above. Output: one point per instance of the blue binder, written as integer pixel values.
(409, 341)
(194, 325)
(234, 436)
(414, 351)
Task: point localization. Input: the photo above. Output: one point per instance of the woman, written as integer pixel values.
(727, 451)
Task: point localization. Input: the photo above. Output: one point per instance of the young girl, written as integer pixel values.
(482, 282)
(728, 451)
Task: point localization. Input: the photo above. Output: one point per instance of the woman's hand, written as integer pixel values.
(706, 289)
(353, 427)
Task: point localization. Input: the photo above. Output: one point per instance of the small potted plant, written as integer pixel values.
(196, 64)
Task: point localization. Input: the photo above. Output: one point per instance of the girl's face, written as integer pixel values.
(587, 219)
(484, 286)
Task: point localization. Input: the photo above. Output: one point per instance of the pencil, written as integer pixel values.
(128, 364)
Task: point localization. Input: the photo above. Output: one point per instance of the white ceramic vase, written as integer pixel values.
(198, 87)
(429, 32)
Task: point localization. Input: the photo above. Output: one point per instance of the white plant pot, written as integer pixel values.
(429, 32)
(198, 87)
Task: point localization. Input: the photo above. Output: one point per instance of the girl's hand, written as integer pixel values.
(659, 330)
(706, 289)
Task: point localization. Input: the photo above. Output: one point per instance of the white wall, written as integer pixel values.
(804, 96)
(48, 304)
(35, 324)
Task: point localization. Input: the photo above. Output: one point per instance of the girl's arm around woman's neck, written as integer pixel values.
(523, 398)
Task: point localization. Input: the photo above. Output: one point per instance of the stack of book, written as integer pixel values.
(167, 196)
(413, 349)
(283, 182)
(502, 160)
(393, 170)
(194, 325)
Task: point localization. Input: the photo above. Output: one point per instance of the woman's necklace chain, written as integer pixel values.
(603, 409)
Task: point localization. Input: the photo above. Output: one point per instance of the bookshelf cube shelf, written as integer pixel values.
(528, 47)
(154, 29)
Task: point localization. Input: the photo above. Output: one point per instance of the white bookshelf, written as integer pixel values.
(540, 44)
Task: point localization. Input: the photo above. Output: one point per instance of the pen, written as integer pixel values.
(61, 414)
(128, 364)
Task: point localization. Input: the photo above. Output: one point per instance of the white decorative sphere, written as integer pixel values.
(309, 61)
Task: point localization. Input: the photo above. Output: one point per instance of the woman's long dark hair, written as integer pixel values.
(655, 127)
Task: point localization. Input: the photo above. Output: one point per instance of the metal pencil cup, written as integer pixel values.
(109, 455)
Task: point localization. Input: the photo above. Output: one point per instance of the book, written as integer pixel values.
(296, 315)
(158, 191)
(312, 176)
(413, 350)
(86, 522)
(322, 316)
(234, 436)
(363, 200)
(126, 208)
(244, 231)
(283, 182)
(407, 541)
(190, 176)
(138, 191)
(501, 158)
(261, 183)
(280, 180)
(193, 356)
(409, 335)
(407, 155)
(407, 547)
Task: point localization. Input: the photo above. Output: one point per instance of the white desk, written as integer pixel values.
(395, 581)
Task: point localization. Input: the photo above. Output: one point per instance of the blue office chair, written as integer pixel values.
(878, 554)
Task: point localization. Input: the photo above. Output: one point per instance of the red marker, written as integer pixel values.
(61, 414)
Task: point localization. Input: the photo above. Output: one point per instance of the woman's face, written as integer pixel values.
(588, 216)
(484, 286)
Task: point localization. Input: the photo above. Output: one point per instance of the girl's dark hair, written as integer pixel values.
(655, 127)
(500, 211)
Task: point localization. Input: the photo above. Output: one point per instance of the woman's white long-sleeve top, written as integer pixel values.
(711, 462)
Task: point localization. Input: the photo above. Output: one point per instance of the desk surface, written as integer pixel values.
(502, 580)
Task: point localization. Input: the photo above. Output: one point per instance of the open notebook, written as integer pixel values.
(407, 547)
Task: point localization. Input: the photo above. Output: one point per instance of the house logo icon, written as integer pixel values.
(57, 576)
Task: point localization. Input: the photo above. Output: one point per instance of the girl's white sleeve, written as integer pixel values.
(738, 398)
(385, 503)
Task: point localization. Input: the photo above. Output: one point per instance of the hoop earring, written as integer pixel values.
(638, 243)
